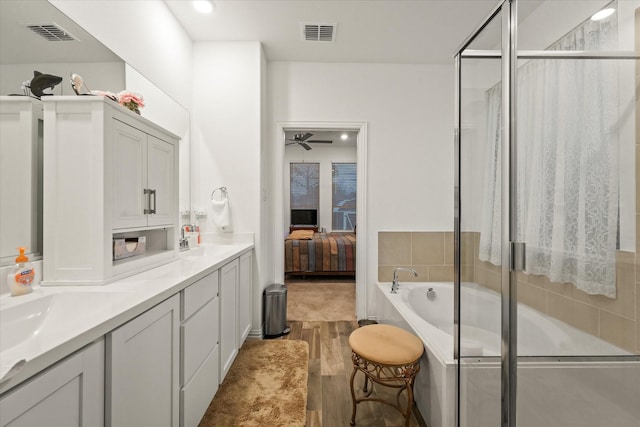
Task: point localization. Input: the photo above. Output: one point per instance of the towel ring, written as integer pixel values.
(223, 191)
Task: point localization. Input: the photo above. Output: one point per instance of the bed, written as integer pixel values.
(309, 253)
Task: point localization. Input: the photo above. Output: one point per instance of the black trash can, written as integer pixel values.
(275, 311)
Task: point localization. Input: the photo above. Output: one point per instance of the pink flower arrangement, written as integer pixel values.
(132, 101)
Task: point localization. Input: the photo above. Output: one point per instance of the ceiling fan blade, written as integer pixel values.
(320, 141)
(305, 146)
(304, 137)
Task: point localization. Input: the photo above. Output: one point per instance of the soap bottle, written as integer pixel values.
(20, 279)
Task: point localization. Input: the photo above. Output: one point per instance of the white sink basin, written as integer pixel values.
(23, 318)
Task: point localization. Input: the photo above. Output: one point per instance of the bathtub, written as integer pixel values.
(603, 392)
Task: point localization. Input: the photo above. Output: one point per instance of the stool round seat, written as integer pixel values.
(389, 356)
(386, 344)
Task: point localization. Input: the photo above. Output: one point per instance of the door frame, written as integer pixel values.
(281, 228)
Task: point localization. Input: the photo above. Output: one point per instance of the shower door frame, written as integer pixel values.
(508, 13)
(512, 252)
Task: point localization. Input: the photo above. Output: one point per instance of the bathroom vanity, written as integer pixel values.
(108, 173)
(144, 349)
(151, 340)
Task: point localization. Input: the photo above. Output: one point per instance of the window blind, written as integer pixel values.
(344, 187)
(305, 184)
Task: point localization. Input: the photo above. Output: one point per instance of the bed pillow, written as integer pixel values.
(301, 235)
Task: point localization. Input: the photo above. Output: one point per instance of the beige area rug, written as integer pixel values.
(321, 301)
(266, 386)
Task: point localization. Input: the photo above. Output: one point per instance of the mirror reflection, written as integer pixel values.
(36, 36)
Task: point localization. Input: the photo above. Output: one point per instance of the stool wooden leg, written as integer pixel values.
(409, 403)
(353, 398)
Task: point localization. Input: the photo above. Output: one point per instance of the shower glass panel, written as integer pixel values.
(576, 209)
(547, 222)
(479, 285)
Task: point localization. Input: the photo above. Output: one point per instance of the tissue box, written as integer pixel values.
(128, 247)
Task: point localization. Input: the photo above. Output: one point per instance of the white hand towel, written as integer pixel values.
(220, 213)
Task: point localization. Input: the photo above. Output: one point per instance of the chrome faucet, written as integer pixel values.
(183, 242)
(395, 285)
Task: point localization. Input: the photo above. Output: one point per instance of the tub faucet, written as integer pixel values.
(395, 285)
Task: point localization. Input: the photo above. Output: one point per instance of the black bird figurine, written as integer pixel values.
(40, 82)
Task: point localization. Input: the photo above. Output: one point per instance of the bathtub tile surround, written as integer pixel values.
(431, 254)
(594, 314)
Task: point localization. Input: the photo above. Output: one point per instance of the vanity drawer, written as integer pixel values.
(196, 396)
(199, 335)
(197, 294)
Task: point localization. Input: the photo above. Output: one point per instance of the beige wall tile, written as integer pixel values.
(441, 273)
(385, 273)
(423, 274)
(467, 244)
(637, 228)
(427, 248)
(493, 281)
(617, 330)
(624, 303)
(582, 316)
(394, 248)
(533, 296)
(637, 318)
(448, 248)
(466, 273)
(565, 289)
(480, 274)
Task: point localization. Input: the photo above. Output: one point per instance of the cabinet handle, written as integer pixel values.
(147, 210)
(152, 193)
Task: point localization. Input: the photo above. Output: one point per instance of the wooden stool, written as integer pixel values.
(389, 356)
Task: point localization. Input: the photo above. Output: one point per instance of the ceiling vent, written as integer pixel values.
(51, 32)
(318, 32)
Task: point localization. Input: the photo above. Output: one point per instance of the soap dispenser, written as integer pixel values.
(21, 277)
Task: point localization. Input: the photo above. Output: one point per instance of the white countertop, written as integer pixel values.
(97, 310)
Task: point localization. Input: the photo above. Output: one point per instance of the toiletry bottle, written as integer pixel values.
(20, 279)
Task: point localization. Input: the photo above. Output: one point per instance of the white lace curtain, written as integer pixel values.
(567, 164)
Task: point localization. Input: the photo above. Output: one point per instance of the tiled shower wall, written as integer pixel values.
(431, 255)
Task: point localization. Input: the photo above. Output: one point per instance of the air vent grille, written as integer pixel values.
(318, 32)
(51, 32)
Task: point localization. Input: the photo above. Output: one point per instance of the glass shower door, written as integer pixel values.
(576, 137)
(479, 278)
(547, 311)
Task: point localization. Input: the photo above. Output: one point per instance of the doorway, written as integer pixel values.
(284, 132)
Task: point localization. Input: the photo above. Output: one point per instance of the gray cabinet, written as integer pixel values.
(245, 297)
(142, 369)
(68, 394)
(229, 276)
(199, 349)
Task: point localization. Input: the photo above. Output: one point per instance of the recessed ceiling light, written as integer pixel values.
(203, 6)
(602, 14)
(344, 137)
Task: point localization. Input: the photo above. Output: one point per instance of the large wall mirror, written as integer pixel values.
(30, 33)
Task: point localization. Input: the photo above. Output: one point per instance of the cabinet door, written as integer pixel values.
(228, 316)
(71, 393)
(129, 176)
(245, 300)
(160, 181)
(142, 369)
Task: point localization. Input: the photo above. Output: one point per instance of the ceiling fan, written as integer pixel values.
(301, 139)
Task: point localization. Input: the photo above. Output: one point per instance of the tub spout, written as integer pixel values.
(395, 285)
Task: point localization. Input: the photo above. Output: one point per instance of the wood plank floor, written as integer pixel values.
(330, 367)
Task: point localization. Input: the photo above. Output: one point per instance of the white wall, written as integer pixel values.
(97, 75)
(409, 111)
(145, 34)
(325, 155)
(227, 138)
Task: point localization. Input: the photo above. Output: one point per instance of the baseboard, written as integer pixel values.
(255, 334)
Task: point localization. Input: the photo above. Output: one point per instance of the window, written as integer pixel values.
(305, 184)
(343, 192)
